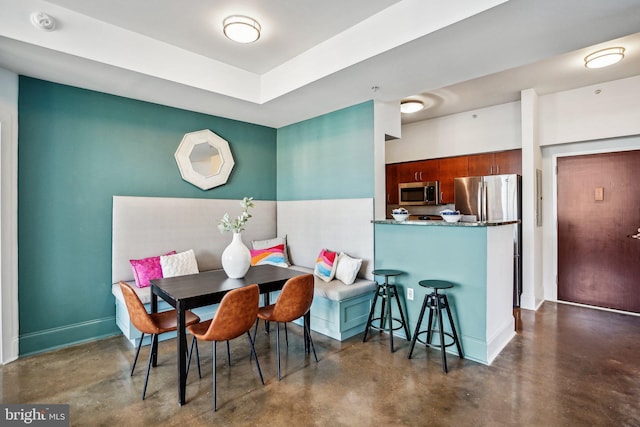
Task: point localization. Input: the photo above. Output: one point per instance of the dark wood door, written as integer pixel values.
(598, 208)
(450, 168)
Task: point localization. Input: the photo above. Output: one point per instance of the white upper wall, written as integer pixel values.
(488, 129)
(605, 110)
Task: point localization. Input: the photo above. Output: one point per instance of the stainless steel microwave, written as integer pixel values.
(419, 193)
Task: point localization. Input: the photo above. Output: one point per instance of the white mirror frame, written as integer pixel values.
(183, 153)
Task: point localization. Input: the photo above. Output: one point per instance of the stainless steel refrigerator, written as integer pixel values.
(495, 198)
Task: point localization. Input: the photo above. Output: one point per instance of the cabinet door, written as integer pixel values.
(481, 164)
(408, 172)
(450, 168)
(429, 170)
(392, 184)
(508, 162)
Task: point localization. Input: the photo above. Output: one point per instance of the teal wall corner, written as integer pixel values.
(328, 157)
(76, 150)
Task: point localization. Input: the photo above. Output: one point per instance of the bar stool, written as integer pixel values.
(386, 291)
(436, 302)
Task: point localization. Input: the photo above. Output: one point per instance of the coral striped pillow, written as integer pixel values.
(326, 264)
(272, 256)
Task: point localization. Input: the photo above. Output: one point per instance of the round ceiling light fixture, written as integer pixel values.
(411, 106)
(604, 57)
(241, 29)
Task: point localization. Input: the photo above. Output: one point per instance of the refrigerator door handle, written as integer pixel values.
(479, 201)
(484, 202)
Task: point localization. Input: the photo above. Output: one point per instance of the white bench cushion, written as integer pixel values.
(335, 290)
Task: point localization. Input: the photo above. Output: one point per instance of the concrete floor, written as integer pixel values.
(570, 366)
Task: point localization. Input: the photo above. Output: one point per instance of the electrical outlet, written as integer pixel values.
(410, 294)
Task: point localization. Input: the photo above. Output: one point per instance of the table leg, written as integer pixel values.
(182, 354)
(307, 325)
(154, 343)
(265, 302)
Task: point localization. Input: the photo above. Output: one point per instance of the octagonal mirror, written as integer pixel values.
(204, 159)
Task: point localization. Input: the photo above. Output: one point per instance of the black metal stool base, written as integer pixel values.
(436, 303)
(386, 292)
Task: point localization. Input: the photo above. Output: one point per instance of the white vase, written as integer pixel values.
(236, 258)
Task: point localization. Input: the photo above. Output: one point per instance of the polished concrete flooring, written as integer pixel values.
(569, 366)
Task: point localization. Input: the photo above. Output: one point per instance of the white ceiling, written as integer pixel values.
(319, 56)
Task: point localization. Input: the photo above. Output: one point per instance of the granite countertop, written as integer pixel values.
(446, 224)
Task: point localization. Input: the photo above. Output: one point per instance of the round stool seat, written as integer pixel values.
(386, 272)
(435, 284)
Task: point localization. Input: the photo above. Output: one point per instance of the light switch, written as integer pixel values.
(599, 193)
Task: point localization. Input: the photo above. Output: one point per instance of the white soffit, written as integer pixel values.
(82, 36)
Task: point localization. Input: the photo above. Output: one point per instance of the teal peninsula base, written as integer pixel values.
(477, 258)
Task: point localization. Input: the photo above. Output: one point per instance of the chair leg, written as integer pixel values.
(443, 354)
(215, 406)
(194, 344)
(253, 352)
(417, 331)
(154, 337)
(370, 318)
(228, 355)
(135, 359)
(278, 347)
(286, 335)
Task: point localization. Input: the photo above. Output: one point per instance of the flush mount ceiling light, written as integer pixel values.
(241, 29)
(411, 106)
(604, 57)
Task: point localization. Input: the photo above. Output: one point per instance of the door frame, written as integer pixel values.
(550, 156)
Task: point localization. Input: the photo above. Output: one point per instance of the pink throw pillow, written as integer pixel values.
(147, 269)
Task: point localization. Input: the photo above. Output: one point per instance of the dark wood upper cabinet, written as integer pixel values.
(509, 162)
(392, 183)
(419, 171)
(446, 169)
(450, 168)
(502, 162)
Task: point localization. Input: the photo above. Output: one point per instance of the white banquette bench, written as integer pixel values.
(151, 226)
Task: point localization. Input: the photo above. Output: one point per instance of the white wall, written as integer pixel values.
(386, 123)
(8, 216)
(488, 129)
(606, 110)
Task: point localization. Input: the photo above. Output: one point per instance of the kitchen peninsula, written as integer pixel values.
(476, 257)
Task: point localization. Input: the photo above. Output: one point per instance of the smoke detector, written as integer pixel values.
(42, 21)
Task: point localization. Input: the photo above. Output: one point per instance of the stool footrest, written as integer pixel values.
(436, 331)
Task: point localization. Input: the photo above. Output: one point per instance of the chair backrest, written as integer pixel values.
(137, 313)
(235, 315)
(295, 299)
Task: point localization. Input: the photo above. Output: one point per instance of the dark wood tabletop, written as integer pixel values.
(209, 287)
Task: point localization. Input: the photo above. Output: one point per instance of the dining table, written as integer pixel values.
(206, 288)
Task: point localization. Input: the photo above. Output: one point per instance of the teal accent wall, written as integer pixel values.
(328, 157)
(456, 254)
(76, 149)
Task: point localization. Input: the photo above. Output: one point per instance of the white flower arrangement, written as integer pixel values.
(238, 224)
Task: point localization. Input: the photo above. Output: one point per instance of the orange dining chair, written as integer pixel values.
(293, 302)
(152, 324)
(234, 317)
